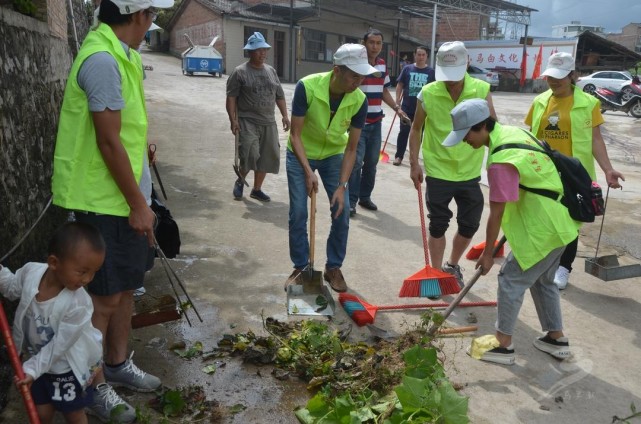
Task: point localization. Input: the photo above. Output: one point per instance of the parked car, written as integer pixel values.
(612, 80)
(484, 75)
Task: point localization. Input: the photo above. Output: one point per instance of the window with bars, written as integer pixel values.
(315, 45)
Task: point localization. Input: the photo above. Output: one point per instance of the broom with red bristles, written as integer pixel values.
(428, 282)
(362, 313)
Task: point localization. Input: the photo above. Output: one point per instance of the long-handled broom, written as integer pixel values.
(17, 367)
(362, 313)
(428, 282)
(434, 328)
(383, 156)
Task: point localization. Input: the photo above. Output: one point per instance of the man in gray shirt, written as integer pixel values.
(252, 90)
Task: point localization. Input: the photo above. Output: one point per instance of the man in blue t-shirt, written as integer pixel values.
(409, 84)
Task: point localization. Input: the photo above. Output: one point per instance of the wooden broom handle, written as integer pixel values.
(312, 229)
(435, 305)
(457, 330)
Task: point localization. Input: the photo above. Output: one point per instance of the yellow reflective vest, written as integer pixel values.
(580, 123)
(460, 162)
(534, 225)
(81, 179)
(321, 137)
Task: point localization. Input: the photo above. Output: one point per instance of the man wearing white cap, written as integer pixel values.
(537, 227)
(101, 173)
(252, 90)
(570, 120)
(314, 145)
(449, 173)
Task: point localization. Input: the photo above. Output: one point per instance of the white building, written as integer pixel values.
(574, 29)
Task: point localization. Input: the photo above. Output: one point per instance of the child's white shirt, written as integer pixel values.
(74, 341)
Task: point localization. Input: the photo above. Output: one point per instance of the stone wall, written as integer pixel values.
(35, 58)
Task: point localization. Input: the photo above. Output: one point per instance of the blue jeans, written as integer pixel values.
(361, 182)
(403, 136)
(329, 171)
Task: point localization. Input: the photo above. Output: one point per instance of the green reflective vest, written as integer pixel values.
(534, 225)
(580, 124)
(460, 162)
(81, 180)
(321, 137)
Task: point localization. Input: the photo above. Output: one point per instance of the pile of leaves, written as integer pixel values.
(399, 381)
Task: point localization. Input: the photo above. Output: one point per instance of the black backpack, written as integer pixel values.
(582, 196)
(166, 231)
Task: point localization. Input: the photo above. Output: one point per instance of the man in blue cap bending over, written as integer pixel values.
(252, 90)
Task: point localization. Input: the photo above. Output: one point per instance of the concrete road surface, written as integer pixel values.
(235, 258)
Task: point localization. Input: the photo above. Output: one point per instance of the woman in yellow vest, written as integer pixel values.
(537, 227)
(569, 120)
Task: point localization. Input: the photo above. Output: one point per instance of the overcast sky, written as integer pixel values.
(610, 14)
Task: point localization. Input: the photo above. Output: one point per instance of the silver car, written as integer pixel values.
(612, 80)
(484, 75)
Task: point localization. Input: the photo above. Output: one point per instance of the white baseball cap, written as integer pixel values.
(127, 7)
(464, 116)
(354, 56)
(451, 61)
(559, 65)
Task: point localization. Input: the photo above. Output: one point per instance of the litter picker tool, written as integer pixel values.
(311, 297)
(435, 326)
(17, 367)
(362, 313)
(428, 282)
(607, 268)
(383, 156)
(152, 149)
(236, 160)
(171, 275)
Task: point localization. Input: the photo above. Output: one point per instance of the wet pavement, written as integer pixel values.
(234, 260)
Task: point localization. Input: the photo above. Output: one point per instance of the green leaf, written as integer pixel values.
(173, 403)
(210, 369)
(412, 393)
(322, 303)
(192, 352)
(453, 407)
(422, 363)
(239, 407)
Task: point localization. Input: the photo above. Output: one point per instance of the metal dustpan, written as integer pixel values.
(311, 297)
(607, 268)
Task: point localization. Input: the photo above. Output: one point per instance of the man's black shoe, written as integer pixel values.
(368, 204)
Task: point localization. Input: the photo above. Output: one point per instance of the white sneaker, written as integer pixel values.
(108, 407)
(561, 277)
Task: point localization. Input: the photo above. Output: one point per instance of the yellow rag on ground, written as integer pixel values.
(482, 344)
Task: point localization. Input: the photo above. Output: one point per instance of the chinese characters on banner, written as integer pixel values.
(509, 56)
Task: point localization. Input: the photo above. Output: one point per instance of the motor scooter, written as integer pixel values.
(634, 88)
(613, 101)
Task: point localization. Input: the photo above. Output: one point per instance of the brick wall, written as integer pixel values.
(451, 26)
(201, 24)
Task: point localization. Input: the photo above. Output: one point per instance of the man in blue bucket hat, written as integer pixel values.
(252, 90)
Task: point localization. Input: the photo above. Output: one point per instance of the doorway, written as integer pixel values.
(279, 52)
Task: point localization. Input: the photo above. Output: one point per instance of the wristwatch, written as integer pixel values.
(344, 185)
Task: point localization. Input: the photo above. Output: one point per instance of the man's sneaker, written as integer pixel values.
(130, 376)
(397, 162)
(352, 211)
(368, 204)
(559, 348)
(295, 278)
(561, 277)
(238, 189)
(334, 277)
(456, 271)
(259, 195)
(108, 407)
(498, 355)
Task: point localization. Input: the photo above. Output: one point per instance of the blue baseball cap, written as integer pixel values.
(256, 41)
